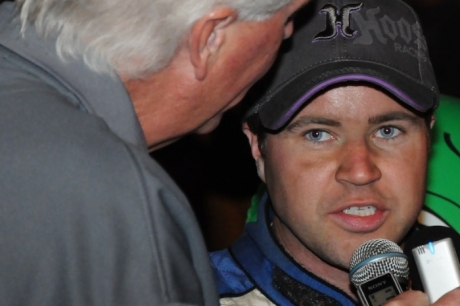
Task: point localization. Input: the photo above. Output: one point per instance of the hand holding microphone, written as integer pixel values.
(418, 298)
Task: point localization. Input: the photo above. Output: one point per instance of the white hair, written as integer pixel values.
(135, 37)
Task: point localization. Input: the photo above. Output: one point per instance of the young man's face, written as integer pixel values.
(348, 168)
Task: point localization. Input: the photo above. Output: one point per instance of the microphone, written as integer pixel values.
(379, 270)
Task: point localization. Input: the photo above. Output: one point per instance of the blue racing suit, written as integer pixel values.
(256, 270)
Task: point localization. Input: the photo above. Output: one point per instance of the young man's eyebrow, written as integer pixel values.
(393, 116)
(306, 120)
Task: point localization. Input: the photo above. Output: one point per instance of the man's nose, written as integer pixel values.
(358, 164)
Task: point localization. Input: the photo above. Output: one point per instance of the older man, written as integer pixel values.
(340, 136)
(86, 89)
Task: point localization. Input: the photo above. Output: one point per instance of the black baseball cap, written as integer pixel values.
(371, 41)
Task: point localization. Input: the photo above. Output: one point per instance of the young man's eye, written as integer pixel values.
(318, 135)
(388, 132)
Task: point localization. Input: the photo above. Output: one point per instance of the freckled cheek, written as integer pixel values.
(279, 164)
(405, 180)
(415, 163)
(296, 173)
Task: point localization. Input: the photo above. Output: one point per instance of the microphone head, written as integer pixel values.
(377, 257)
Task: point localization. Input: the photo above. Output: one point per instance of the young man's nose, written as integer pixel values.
(358, 165)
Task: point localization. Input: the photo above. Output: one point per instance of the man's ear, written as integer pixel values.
(207, 36)
(255, 150)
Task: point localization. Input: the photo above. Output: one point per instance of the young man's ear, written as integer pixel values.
(207, 36)
(432, 121)
(255, 150)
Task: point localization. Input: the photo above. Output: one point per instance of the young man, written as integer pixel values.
(340, 137)
(87, 88)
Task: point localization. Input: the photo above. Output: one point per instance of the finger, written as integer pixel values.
(451, 298)
(409, 298)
